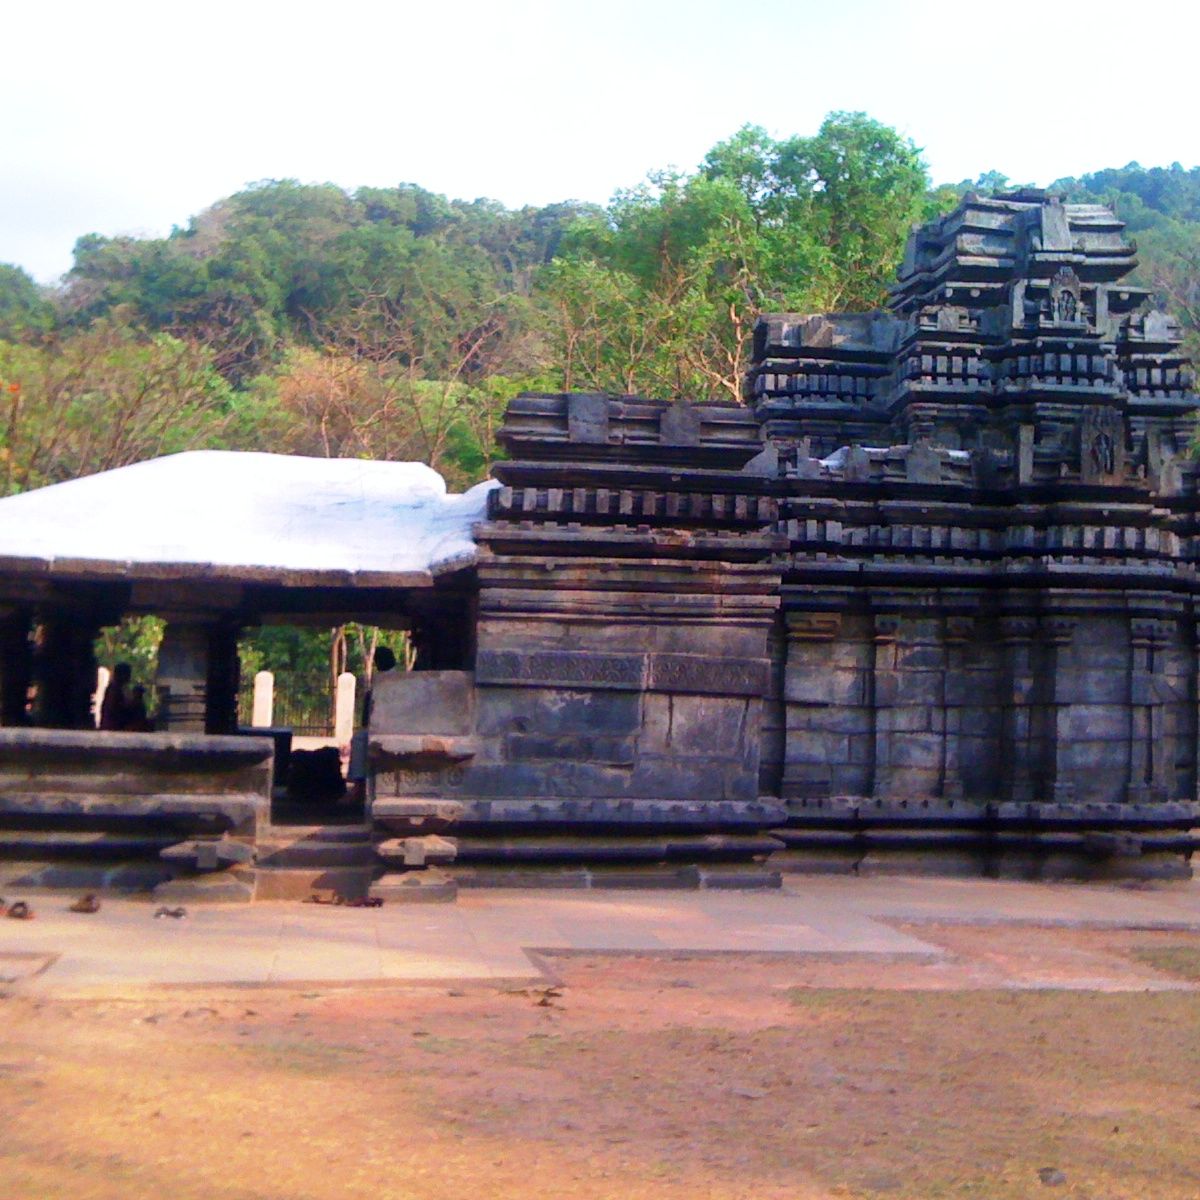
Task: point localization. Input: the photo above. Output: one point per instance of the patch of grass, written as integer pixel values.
(811, 997)
(1181, 961)
(307, 1057)
(441, 1045)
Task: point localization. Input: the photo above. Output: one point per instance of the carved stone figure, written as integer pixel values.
(1101, 444)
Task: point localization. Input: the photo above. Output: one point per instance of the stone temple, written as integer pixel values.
(926, 601)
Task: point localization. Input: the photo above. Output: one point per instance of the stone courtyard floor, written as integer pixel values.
(503, 934)
(843, 1038)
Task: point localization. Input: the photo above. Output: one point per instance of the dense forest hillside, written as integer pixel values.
(393, 322)
(1161, 207)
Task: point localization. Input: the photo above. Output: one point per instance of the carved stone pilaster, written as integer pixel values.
(1019, 756)
(957, 633)
(812, 689)
(883, 699)
(1058, 635)
(1147, 744)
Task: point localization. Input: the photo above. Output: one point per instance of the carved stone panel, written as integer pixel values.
(708, 676)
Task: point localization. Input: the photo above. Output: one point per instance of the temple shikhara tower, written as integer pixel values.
(927, 600)
(988, 588)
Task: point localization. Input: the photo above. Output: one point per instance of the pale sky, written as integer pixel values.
(128, 117)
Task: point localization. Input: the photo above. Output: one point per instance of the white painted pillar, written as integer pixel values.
(264, 700)
(343, 709)
(103, 675)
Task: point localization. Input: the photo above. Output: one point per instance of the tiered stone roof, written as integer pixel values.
(1012, 325)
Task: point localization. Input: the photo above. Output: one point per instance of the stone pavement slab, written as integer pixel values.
(494, 935)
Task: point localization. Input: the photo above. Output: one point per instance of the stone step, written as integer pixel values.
(227, 887)
(590, 850)
(92, 876)
(415, 816)
(734, 877)
(66, 843)
(590, 816)
(429, 886)
(821, 860)
(316, 853)
(358, 832)
(208, 854)
(662, 876)
(300, 883)
(127, 811)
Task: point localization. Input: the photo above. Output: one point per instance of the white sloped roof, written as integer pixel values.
(252, 517)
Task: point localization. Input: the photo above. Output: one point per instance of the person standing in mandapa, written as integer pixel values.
(383, 661)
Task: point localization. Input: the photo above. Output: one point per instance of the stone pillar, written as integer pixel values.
(1018, 738)
(16, 665)
(197, 677)
(343, 709)
(264, 699)
(224, 678)
(103, 678)
(64, 668)
(182, 679)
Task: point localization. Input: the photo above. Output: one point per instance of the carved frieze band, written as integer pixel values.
(695, 674)
(683, 673)
(1069, 541)
(634, 505)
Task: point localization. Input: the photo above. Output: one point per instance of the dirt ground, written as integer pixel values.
(1031, 1062)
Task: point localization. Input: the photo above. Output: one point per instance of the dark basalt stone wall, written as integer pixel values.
(927, 600)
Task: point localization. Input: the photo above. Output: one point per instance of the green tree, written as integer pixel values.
(103, 398)
(26, 311)
(661, 294)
